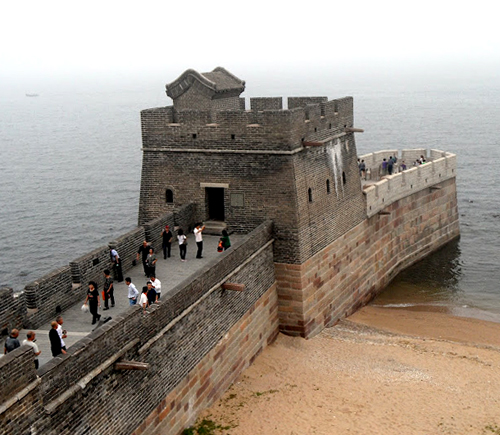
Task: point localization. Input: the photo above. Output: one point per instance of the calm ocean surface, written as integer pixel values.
(71, 161)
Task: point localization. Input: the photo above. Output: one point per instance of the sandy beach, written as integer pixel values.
(381, 371)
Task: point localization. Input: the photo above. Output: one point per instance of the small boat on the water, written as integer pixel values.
(32, 95)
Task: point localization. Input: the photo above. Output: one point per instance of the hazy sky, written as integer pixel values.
(57, 37)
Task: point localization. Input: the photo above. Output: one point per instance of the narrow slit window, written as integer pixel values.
(310, 194)
(344, 181)
(328, 190)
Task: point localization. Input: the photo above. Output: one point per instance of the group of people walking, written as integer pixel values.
(387, 166)
(151, 292)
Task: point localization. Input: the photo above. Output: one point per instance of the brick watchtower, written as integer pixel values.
(297, 167)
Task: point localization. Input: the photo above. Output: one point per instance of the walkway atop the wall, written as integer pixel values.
(170, 272)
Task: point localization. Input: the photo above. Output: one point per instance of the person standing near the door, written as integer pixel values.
(166, 242)
(199, 239)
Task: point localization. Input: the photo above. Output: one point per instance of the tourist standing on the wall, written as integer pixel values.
(181, 237)
(362, 169)
(62, 332)
(167, 237)
(199, 239)
(390, 165)
(117, 265)
(108, 290)
(12, 342)
(30, 341)
(384, 167)
(55, 340)
(151, 262)
(93, 301)
(144, 251)
(133, 293)
(156, 283)
(151, 294)
(144, 299)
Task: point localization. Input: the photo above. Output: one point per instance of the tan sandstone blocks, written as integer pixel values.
(217, 370)
(350, 271)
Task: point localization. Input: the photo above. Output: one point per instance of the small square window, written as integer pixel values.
(194, 135)
(233, 136)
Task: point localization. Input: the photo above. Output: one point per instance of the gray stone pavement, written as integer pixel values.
(170, 272)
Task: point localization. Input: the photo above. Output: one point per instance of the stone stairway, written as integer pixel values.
(214, 227)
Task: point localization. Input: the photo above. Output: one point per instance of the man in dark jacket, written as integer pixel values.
(12, 342)
(55, 340)
(144, 251)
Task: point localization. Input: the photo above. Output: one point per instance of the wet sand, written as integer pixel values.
(382, 371)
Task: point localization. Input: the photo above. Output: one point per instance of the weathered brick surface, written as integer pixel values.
(294, 102)
(18, 378)
(266, 103)
(349, 272)
(12, 310)
(52, 291)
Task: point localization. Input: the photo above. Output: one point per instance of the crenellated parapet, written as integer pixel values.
(440, 166)
(256, 129)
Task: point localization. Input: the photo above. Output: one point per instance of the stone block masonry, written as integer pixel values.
(349, 272)
(216, 372)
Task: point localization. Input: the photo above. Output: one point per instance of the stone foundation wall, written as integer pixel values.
(349, 272)
(218, 370)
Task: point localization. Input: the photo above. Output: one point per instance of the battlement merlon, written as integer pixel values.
(279, 130)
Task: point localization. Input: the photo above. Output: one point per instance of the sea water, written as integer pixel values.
(71, 163)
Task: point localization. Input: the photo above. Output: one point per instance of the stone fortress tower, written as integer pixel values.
(295, 166)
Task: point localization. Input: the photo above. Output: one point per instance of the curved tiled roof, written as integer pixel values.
(218, 81)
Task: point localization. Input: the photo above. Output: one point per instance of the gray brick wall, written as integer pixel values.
(12, 309)
(266, 103)
(52, 291)
(294, 102)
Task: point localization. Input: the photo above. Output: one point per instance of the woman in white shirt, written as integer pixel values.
(144, 299)
(181, 237)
